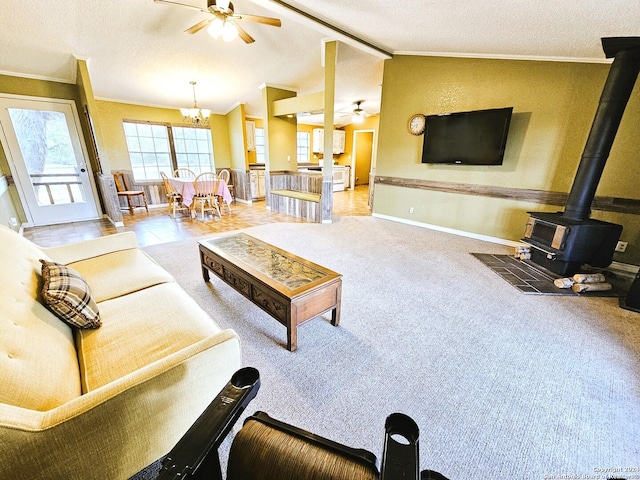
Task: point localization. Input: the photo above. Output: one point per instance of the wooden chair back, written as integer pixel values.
(168, 186)
(225, 175)
(206, 188)
(184, 173)
(120, 181)
(206, 184)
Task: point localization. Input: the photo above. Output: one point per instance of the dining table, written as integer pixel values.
(187, 188)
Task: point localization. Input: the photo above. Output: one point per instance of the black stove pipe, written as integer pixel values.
(615, 96)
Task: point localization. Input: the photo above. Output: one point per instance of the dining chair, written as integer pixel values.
(226, 176)
(184, 173)
(123, 191)
(174, 196)
(206, 187)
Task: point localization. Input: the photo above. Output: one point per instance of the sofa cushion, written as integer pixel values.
(68, 295)
(153, 323)
(120, 273)
(38, 364)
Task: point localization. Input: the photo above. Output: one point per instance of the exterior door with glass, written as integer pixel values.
(40, 138)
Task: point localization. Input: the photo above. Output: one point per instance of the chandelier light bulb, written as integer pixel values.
(198, 117)
(216, 28)
(357, 119)
(229, 32)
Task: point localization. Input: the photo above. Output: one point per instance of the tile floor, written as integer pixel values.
(158, 226)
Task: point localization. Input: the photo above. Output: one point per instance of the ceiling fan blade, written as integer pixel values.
(199, 26)
(168, 2)
(274, 22)
(243, 34)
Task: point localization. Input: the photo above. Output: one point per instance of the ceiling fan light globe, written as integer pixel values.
(223, 3)
(229, 32)
(216, 28)
(357, 119)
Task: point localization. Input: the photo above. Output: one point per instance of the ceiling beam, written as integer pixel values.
(283, 8)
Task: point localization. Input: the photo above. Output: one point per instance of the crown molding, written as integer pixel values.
(488, 56)
(38, 77)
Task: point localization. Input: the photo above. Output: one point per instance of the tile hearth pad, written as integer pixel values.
(530, 278)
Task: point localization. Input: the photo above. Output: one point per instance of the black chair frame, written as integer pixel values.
(196, 457)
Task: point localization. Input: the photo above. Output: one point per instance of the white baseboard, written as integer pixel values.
(462, 233)
(115, 224)
(622, 267)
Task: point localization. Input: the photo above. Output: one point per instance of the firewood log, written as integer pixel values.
(591, 287)
(564, 282)
(588, 278)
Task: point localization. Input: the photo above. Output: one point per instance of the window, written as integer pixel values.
(155, 148)
(193, 149)
(260, 151)
(303, 147)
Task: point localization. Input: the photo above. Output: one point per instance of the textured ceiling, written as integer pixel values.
(138, 52)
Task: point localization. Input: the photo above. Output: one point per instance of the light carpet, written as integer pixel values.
(502, 385)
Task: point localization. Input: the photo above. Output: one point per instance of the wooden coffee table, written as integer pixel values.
(287, 287)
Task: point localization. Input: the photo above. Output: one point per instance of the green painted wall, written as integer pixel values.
(111, 115)
(93, 141)
(280, 133)
(237, 157)
(37, 88)
(554, 105)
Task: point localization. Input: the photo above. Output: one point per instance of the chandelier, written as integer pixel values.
(196, 116)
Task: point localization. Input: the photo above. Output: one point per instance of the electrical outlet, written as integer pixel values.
(410, 209)
(13, 222)
(621, 246)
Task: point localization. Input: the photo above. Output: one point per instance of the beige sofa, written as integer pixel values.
(101, 403)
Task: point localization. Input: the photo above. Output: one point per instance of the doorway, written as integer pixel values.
(47, 158)
(362, 156)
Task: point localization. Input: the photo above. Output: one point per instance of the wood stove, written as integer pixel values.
(563, 241)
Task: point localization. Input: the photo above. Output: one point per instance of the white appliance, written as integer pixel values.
(338, 178)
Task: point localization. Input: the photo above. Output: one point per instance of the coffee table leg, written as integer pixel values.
(335, 314)
(205, 274)
(292, 334)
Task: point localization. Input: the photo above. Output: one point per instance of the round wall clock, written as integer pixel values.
(416, 124)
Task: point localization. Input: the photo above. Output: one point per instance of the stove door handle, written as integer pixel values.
(550, 255)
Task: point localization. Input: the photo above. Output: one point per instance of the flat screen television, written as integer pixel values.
(467, 138)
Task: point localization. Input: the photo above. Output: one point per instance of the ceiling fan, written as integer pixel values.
(223, 20)
(358, 114)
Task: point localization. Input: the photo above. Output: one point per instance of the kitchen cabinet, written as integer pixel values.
(251, 135)
(317, 140)
(339, 140)
(257, 181)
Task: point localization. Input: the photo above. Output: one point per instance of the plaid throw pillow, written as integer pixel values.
(68, 295)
